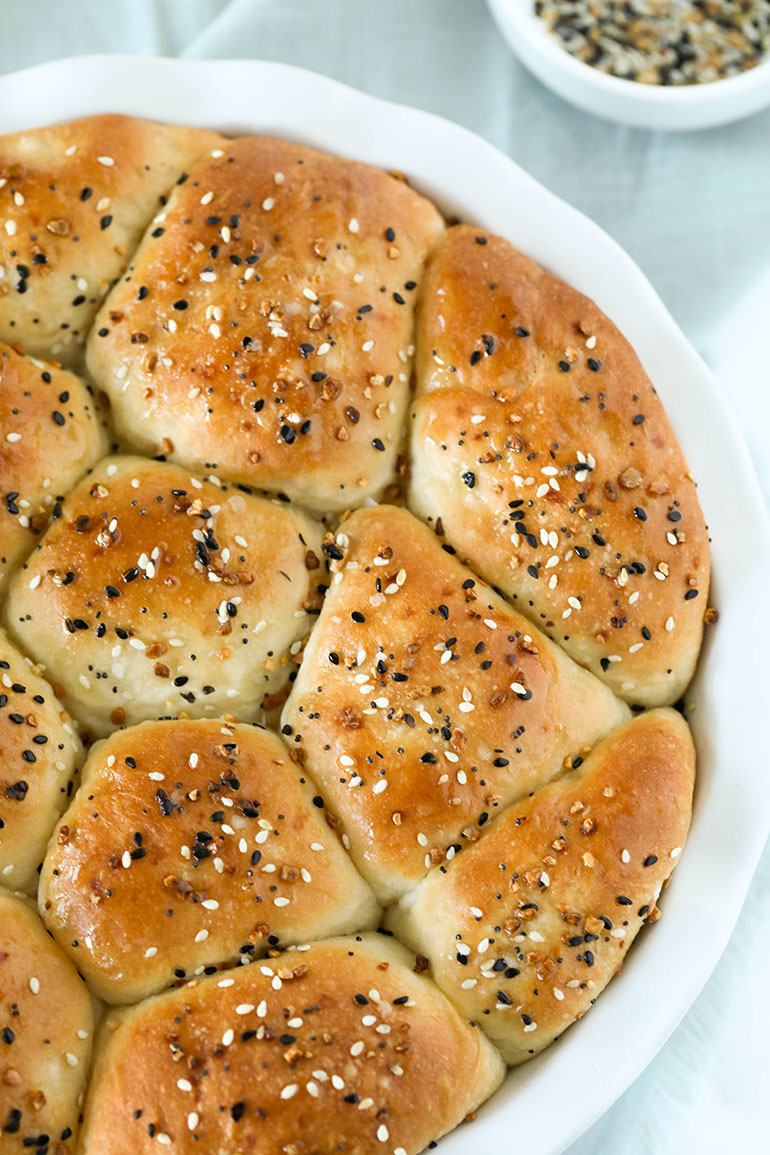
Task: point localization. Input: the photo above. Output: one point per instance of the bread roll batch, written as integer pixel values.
(248, 700)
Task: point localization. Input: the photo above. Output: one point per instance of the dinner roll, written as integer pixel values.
(542, 449)
(265, 330)
(45, 1037)
(39, 755)
(339, 1046)
(525, 930)
(50, 434)
(424, 702)
(211, 829)
(155, 592)
(74, 201)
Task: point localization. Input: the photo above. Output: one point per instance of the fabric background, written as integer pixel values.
(693, 209)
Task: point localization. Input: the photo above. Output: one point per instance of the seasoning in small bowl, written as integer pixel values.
(665, 42)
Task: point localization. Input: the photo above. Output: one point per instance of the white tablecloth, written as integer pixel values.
(694, 211)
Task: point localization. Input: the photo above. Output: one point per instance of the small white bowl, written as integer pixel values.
(626, 101)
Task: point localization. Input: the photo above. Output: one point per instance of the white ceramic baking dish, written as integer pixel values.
(550, 1101)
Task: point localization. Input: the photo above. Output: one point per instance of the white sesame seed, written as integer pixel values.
(107, 161)
(382, 1133)
(228, 1037)
(244, 1008)
(357, 1048)
(353, 225)
(268, 203)
(192, 1121)
(210, 903)
(669, 625)
(289, 1091)
(281, 901)
(675, 852)
(13, 437)
(72, 1060)
(184, 1084)
(34, 985)
(338, 1083)
(202, 935)
(207, 198)
(625, 856)
(151, 952)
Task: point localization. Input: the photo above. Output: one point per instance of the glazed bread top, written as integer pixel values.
(265, 326)
(525, 930)
(209, 829)
(51, 432)
(155, 592)
(46, 1029)
(75, 199)
(541, 447)
(424, 703)
(340, 1042)
(40, 756)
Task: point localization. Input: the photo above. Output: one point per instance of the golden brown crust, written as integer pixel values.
(267, 332)
(40, 755)
(212, 831)
(452, 739)
(525, 930)
(75, 199)
(46, 1028)
(328, 1057)
(542, 446)
(156, 593)
(50, 434)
